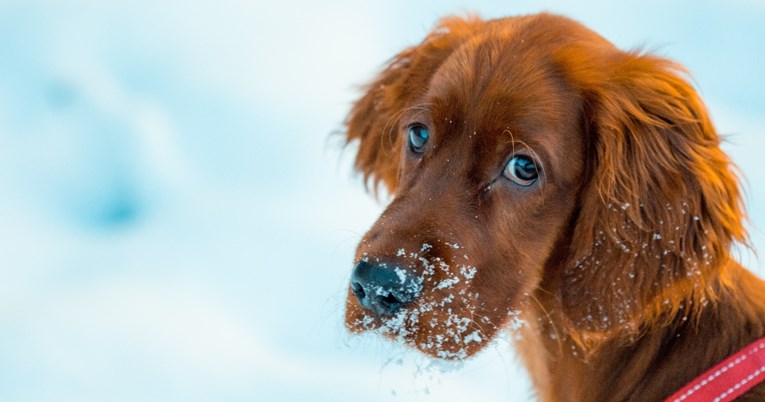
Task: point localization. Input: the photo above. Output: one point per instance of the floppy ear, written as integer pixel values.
(374, 119)
(662, 207)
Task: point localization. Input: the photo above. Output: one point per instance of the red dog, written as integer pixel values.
(545, 180)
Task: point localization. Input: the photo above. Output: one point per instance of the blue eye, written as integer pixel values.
(418, 137)
(521, 170)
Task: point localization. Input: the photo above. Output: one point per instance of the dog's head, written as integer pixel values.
(528, 154)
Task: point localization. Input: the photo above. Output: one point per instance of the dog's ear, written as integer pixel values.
(374, 119)
(662, 207)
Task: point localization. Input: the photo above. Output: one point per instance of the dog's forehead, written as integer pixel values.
(504, 90)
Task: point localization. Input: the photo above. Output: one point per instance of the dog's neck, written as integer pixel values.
(650, 365)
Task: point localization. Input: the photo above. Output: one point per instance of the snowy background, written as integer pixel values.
(177, 223)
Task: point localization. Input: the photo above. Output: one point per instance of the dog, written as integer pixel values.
(545, 181)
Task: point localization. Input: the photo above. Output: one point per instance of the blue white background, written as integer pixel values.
(177, 223)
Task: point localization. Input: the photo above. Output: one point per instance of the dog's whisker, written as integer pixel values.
(548, 317)
(390, 125)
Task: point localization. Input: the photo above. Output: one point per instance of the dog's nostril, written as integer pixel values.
(390, 301)
(358, 290)
(383, 290)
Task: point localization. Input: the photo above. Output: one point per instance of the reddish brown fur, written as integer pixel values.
(618, 263)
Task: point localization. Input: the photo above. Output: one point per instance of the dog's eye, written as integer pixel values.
(521, 170)
(418, 137)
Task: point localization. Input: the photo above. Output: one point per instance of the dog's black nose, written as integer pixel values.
(383, 289)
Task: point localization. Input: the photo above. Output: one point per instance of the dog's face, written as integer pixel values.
(484, 135)
(487, 181)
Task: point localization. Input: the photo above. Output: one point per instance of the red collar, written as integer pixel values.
(728, 379)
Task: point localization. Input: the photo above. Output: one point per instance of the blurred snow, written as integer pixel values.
(178, 223)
